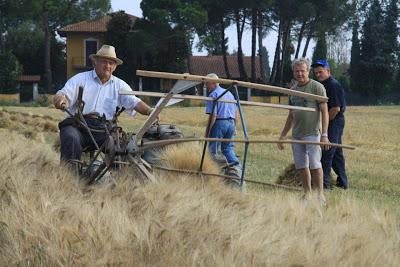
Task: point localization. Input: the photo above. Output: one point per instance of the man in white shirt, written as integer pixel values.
(101, 97)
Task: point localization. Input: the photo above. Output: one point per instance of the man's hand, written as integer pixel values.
(280, 145)
(144, 109)
(324, 139)
(60, 101)
(150, 110)
(333, 112)
(286, 129)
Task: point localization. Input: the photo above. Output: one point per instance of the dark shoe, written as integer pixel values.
(340, 184)
(344, 187)
(233, 171)
(327, 187)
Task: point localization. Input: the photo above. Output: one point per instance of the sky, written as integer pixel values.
(133, 7)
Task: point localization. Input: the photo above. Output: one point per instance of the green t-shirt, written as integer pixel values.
(307, 123)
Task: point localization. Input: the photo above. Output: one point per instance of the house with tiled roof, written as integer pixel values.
(202, 65)
(84, 38)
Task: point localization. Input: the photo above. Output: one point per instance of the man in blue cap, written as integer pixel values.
(333, 158)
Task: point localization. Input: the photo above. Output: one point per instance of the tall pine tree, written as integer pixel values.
(118, 31)
(355, 58)
(374, 72)
(391, 49)
(321, 48)
(265, 61)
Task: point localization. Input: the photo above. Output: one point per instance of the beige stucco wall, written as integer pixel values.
(76, 50)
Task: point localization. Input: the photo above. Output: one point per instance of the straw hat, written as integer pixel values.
(108, 52)
(212, 75)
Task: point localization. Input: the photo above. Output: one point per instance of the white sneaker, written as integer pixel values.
(322, 200)
(306, 197)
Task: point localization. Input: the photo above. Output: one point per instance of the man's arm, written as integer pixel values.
(237, 117)
(336, 100)
(286, 128)
(333, 112)
(213, 119)
(208, 129)
(143, 108)
(60, 101)
(325, 123)
(67, 96)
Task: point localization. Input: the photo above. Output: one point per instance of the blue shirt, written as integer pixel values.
(335, 93)
(98, 97)
(222, 110)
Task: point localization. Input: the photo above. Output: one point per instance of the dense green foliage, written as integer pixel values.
(28, 28)
(165, 37)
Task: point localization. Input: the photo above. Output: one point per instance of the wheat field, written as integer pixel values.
(48, 219)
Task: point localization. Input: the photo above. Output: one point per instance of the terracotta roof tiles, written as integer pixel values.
(98, 25)
(202, 65)
(28, 78)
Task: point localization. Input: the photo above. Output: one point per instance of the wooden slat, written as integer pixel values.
(152, 118)
(262, 87)
(204, 98)
(225, 177)
(251, 141)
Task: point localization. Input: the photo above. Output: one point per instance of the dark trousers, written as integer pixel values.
(334, 158)
(74, 140)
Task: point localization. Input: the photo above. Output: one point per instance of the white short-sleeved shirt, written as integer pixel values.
(98, 97)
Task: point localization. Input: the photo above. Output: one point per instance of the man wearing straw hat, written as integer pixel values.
(101, 98)
(306, 126)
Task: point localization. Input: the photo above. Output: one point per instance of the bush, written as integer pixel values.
(9, 71)
(15, 103)
(43, 100)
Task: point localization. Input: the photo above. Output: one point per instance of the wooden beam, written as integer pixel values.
(225, 177)
(204, 98)
(262, 87)
(252, 141)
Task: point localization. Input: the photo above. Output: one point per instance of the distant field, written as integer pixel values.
(374, 130)
(46, 219)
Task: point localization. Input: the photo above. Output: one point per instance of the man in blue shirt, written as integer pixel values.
(223, 121)
(333, 158)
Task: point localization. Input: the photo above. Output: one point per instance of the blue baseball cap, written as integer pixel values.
(322, 63)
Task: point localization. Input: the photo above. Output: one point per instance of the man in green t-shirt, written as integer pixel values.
(307, 126)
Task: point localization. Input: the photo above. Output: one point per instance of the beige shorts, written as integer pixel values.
(307, 156)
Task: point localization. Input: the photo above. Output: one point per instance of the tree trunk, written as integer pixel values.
(189, 54)
(239, 30)
(276, 56)
(260, 46)
(309, 36)
(254, 15)
(2, 30)
(223, 49)
(48, 79)
(286, 35)
(300, 38)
